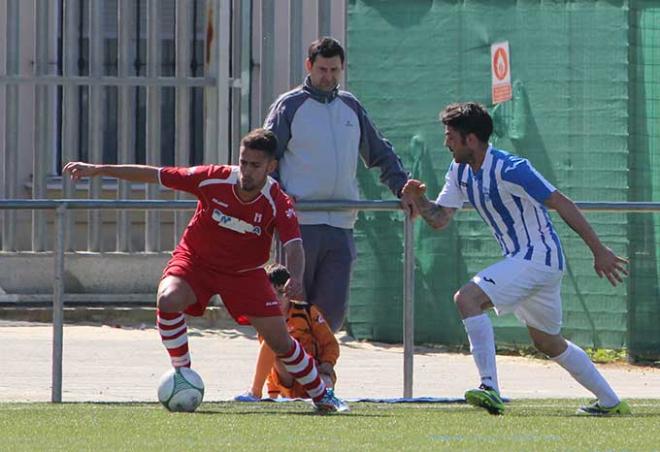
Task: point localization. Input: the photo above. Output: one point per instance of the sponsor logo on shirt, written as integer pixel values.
(290, 212)
(272, 303)
(235, 224)
(219, 202)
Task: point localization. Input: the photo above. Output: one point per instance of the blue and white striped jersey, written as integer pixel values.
(509, 194)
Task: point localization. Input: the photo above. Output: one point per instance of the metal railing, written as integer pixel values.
(61, 206)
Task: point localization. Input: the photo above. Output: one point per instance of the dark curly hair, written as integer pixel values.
(468, 117)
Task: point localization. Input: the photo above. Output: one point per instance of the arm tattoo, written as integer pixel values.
(434, 215)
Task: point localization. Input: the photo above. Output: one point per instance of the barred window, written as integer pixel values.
(138, 68)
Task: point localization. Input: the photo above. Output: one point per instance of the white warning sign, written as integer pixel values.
(500, 63)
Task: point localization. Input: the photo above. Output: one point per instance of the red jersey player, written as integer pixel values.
(223, 250)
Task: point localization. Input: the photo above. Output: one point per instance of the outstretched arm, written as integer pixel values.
(131, 173)
(295, 263)
(606, 263)
(436, 216)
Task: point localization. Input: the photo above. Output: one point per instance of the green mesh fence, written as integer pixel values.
(584, 111)
(644, 165)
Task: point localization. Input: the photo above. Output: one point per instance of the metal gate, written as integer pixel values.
(107, 81)
(158, 82)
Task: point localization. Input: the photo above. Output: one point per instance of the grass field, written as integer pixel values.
(527, 425)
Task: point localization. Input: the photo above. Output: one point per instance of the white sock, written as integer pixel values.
(578, 364)
(482, 346)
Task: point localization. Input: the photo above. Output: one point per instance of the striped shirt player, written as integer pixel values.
(508, 193)
(512, 199)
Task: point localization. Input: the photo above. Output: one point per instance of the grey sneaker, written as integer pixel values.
(330, 403)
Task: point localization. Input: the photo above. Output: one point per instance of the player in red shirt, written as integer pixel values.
(223, 250)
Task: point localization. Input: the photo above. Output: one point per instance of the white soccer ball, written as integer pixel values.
(181, 389)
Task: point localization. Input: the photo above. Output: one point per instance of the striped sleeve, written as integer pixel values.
(526, 181)
(451, 194)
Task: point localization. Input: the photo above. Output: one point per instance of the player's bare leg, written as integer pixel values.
(174, 296)
(472, 302)
(296, 362)
(285, 377)
(577, 363)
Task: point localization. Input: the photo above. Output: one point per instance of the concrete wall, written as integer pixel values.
(119, 273)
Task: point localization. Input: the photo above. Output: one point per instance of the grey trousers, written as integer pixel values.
(329, 256)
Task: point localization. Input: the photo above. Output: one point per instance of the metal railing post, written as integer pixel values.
(153, 118)
(43, 124)
(408, 305)
(58, 303)
(12, 114)
(182, 138)
(70, 113)
(125, 120)
(96, 115)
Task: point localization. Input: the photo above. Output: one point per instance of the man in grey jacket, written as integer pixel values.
(321, 132)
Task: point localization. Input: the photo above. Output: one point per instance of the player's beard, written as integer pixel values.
(246, 184)
(249, 184)
(463, 155)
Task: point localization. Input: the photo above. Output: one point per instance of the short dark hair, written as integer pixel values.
(327, 47)
(278, 274)
(261, 140)
(468, 117)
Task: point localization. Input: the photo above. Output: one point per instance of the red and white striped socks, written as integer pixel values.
(174, 334)
(302, 367)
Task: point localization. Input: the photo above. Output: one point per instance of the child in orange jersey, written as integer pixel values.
(307, 325)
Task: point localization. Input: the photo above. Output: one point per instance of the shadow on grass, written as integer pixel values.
(279, 412)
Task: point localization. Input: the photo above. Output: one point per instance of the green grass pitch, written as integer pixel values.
(527, 425)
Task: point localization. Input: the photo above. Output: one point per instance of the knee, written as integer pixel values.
(551, 346)
(170, 300)
(466, 304)
(540, 345)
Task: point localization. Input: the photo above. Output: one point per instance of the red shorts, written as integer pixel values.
(244, 294)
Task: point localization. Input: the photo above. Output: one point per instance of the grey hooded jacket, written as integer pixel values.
(320, 136)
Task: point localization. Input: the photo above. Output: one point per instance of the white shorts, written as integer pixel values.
(529, 290)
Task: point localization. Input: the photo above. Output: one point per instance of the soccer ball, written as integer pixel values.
(181, 389)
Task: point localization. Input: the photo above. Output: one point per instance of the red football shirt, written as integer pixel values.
(226, 233)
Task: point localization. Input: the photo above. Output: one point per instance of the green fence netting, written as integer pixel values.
(584, 111)
(644, 180)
